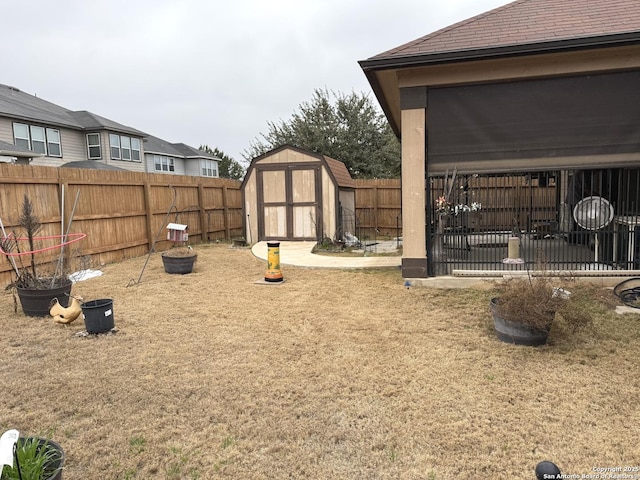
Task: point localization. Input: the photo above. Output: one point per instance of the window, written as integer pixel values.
(45, 141)
(114, 142)
(135, 149)
(163, 164)
(38, 140)
(53, 143)
(21, 135)
(124, 148)
(93, 145)
(209, 168)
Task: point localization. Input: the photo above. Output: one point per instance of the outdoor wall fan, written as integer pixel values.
(593, 213)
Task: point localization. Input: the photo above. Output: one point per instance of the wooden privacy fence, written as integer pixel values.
(378, 207)
(124, 213)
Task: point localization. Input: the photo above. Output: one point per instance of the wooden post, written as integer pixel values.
(204, 225)
(225, 210)
(149, 213)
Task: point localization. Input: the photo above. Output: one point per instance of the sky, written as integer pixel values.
(206, 71)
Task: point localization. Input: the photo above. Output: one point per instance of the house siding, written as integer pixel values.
(72, 143)
(178, 165)
(192, 167)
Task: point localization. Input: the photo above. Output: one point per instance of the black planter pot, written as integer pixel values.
(36, 302)
(53, 469)
(510, 331)
(180, 265)
(98, 315)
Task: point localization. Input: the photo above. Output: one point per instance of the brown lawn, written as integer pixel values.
(330, 375)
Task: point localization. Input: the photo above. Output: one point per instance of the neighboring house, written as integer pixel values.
(546, 89)
(38, 132)
(178, 158)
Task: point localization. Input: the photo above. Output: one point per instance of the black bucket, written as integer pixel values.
(98, 315)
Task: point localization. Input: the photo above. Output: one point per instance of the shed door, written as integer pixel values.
(289, 200)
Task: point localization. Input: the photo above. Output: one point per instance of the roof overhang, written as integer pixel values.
(18, 154)
(382, 71)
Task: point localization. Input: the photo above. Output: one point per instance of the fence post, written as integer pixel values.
(204, 225)
(225, 213)
(149, 213)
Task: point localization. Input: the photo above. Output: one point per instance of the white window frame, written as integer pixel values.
(114, 146)
(125, 148)
(38, 139)
(135, 149)
(18, 139)
(209, 168)
(54, 140)
(163, 164)
(94, 146)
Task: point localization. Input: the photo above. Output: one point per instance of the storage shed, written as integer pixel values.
(293, 194)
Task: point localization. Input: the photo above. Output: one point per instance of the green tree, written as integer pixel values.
(349, 128)
(227, 166)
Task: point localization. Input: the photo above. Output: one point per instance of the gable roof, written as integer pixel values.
(522, 27)
(17, 104)
(336, 168)
(162, 147)
(91, 121)
(530, 23)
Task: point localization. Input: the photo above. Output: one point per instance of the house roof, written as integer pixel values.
(522, 27)
(91, 165)
(17, 104)
(529, 22)
(11, 150)
(91, 121)
(162, 147)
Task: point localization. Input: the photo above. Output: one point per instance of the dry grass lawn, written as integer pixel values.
(330, 375)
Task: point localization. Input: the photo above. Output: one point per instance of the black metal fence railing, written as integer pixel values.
(555, 220)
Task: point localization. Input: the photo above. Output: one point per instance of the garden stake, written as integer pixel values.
(64, 239)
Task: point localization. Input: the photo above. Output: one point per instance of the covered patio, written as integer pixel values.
(539, 101)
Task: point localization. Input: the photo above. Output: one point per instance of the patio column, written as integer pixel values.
(413, 102)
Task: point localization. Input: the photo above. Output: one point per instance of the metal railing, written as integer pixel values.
(555, 220)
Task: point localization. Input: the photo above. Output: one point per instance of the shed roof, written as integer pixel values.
(337, 169)
(340, 172)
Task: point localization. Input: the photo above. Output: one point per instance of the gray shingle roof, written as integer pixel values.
(17, 104)
(91, 121)
(162, 147)
(11, 150)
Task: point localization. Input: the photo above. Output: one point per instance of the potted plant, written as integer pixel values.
(179, 259)
(35, 290)
(525, 309)
(37, 459)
